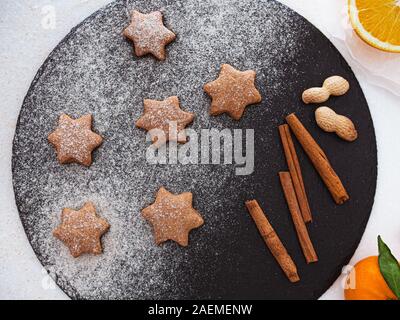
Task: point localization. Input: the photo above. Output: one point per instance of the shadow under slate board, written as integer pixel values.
(93, 70)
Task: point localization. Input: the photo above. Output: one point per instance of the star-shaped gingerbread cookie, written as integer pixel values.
(81, 230)
(232, 92)
(148, 33)
(74, 140)
(167, 117)
(172, 217)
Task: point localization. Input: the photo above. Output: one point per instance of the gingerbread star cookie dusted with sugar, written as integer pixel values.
(232, 92)
(81, 230)
(172, 216)
(148, 33)
(74, 140)
(165, 120)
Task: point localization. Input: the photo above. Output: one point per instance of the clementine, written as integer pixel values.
(367, 282)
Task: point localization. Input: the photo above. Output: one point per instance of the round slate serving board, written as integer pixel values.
(93, 70)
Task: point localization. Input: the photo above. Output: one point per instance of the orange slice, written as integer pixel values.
(377, 22)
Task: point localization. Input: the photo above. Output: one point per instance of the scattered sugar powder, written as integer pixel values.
(95, 71)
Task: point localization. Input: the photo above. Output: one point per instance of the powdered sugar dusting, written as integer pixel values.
(94, 71)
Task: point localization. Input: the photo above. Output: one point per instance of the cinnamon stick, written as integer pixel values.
(295, 171)
(300, 226)
(318, 159)
(272, 241)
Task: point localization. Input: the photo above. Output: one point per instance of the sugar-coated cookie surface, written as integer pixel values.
(232, 92)
(81, 230)
(172, 217)
(148, 33)
(164, 115)
(74, 140)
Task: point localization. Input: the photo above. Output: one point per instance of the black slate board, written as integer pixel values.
(93, 70)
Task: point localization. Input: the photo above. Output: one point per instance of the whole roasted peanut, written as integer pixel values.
(329, 121)
(335, 86)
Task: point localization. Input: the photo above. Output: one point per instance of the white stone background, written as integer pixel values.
(25, 44)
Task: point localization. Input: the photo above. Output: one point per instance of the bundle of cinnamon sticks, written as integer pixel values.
(296, 196)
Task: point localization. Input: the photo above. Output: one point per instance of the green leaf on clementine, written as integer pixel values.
(390, 267)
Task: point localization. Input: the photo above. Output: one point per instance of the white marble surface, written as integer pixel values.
(25, 42)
